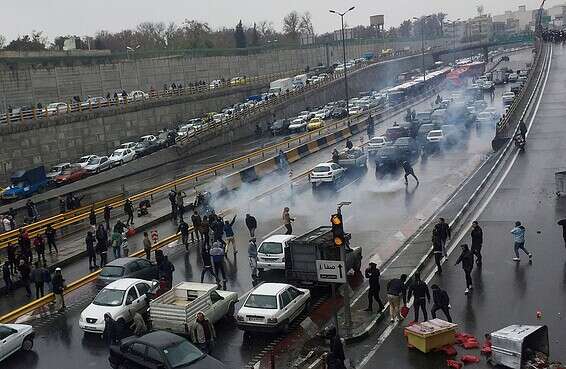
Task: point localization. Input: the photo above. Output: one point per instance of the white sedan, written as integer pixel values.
(272, 307)
(376, 143)
(298, 124)
(83, 161)
(15, 337)
(121, 299)
(121, 156)
(326, 173)
(138, 96)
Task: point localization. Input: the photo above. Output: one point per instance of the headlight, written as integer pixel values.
(272, 320)
(240, 318)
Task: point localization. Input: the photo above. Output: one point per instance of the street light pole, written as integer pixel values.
(422, 20)
(344, 58)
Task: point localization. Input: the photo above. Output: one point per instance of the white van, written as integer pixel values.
(271, 252)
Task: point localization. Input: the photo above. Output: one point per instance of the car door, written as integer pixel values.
(299, 299)
(9, 341)
(104, 163)
(143, 289)
(294, 304)
(134, 356)
(132, 304)
(286, 308)
(147, 270)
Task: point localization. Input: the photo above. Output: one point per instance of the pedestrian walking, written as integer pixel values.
(7, 276)
(58, 284)
(252, 256)
(90, 250)
(147, 246)
(173, 200)
(477, 241)
(251, 223)
(419, 290)
(180, 204)
(336, 346)
(218, 230)
(467, 260)
(32, 212)
(38, 275)
(25, 246)
(562, 223)
(203, 333)
(196, 220)
(437, 250)
(25, 275)
(287, 221)
(523, 129)
(39, 246)
(129, 211)
(102, 244)
(518, 233)
(230, 237)
(396, 290)
(92, 216)
(12, 259)
(116, 243)
(440, 301)
(106, 212)
(205, 230)
(51, 236)
(372, 273)
(124, 246)
(166, 269)
(444, 233)
(409, 171)
(207, 265)
(183, 228)
(217, 253)
(109, 334)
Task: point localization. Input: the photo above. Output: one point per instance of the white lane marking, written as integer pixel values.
(385, 334)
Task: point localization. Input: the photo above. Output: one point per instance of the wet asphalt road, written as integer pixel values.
(381, 207)
(506, 292)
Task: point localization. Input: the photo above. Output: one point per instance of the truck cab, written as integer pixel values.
(26, 183)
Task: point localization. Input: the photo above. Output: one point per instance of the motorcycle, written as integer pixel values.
(519, 142)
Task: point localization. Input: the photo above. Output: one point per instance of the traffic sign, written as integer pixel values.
(331, 271)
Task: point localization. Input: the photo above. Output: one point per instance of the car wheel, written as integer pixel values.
(285, 327)
(121, 162)
(27, 344)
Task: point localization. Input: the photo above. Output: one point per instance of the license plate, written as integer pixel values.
(255, 319)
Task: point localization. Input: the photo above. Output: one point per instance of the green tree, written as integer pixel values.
(240, 36)
(34, 42)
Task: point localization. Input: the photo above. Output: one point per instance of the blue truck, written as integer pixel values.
(26, 183)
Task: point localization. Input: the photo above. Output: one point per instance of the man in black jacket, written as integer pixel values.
(444, 233)
(437, 249)
(251, 223)
(441, 301)
(196, 220)
(336, 346)
(396, 290)
(477, 241)
(372, 274)
(467, 260)
(419, 290)
(184, 230)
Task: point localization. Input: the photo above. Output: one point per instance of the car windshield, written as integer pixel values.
(435, 134)
(376, 140)
(271, 248)
(117, 153)
(55, 170)
(109, 297)
(93, 161)
(182, 354)
(261, 302)
(112, 271)
(84, 159)
(322, 169)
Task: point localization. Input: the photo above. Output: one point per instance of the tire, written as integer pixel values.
(121, 162)
(285, 327)
(27, 344)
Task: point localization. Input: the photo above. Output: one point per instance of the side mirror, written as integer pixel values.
(129, 301)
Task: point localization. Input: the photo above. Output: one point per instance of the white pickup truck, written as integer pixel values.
(176, 309)
(353, 158)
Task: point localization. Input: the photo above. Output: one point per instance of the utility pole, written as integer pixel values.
(344, 58)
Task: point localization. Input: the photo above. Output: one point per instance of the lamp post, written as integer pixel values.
(453, 23)
(422, 19)
(344, 58)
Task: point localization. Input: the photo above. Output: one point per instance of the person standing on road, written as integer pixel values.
(203, 333)
(206, 265)
(107, 210)
(419, 290)
(109, 334)
(409, 171)
(444, 233)
(523, 129)
(372, 273)
(51, 236)
(467, 260)
(441, 301)
(252, 256)
(116, 241)
(31, 208)
(166, 269)
(396, 290)
(180, 204)
(218, 230)
(92, 216)
(12, 259)
(38, 275)
(102, 244)
(90, 250)
(230, 237)
(39, 245)
(437, 250)
(25, 272)
(196, 220)
(477, 241)
(217, 253)
(173, 200)
(205, 230)
(184, 230)
(519, 241)
(562, 223)
(251, 223)
(287, 221)
(336, 346)
(58, 284)
(139, 326)
(129, 211)
(7, 276)
(147, 246)
(25, 246)
(7, 223)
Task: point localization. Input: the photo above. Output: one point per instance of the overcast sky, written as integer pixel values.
(62, 17)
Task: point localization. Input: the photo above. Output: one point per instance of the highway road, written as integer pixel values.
(383, 213)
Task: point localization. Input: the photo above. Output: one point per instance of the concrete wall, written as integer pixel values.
(25, 82)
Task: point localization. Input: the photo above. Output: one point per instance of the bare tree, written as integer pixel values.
(291, 25)
(305, 25)
(151, 35)
(2, 41)
(266, 30)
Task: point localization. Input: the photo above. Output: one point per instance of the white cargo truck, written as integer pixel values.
(281, 86)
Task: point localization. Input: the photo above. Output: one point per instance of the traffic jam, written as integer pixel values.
(254, 271)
